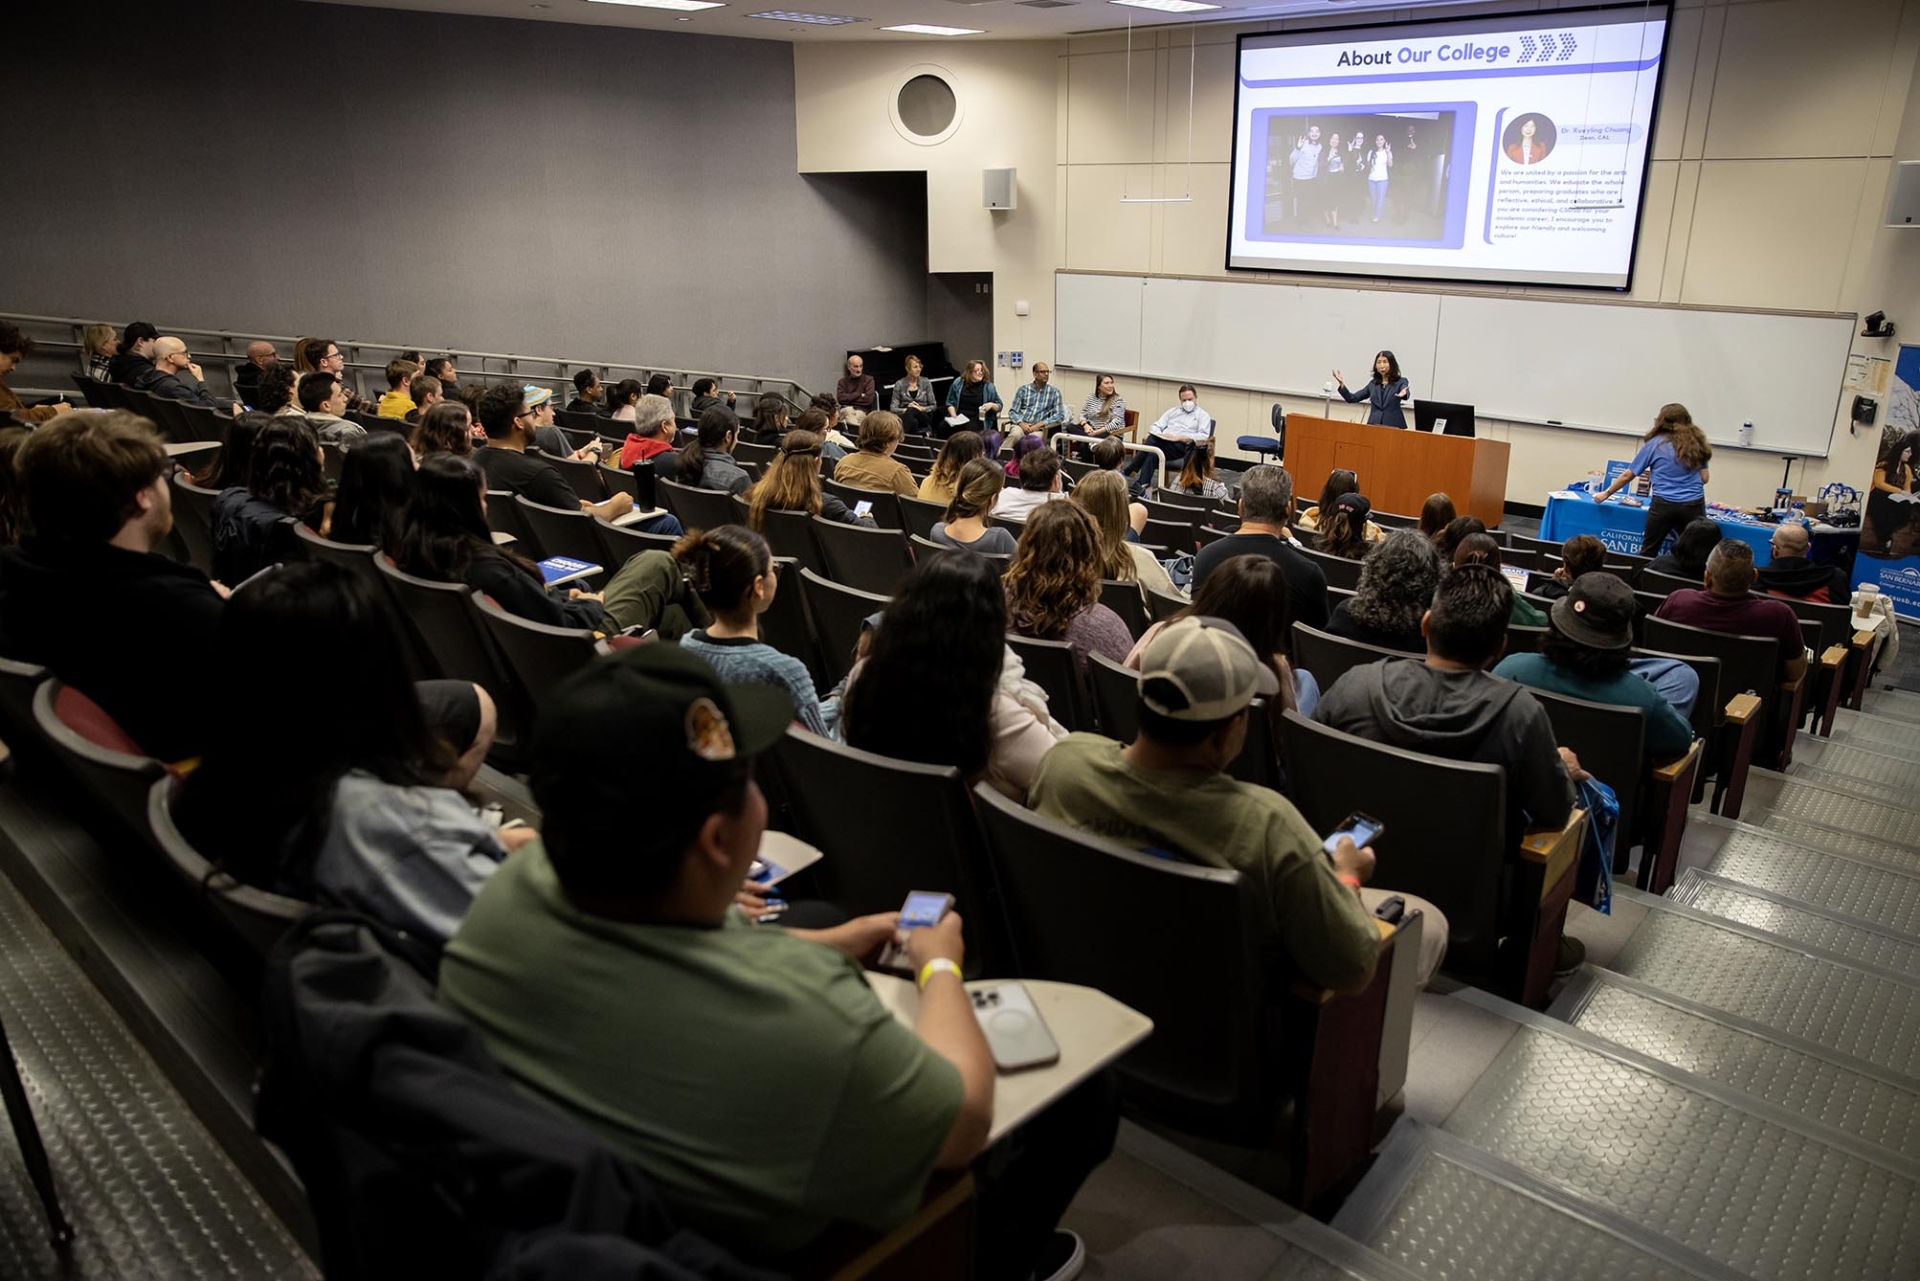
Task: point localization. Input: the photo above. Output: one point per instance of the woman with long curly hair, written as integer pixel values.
(792, 484)
(1053, 585)
(1397, 580)
(1675, 453)
(940, 685)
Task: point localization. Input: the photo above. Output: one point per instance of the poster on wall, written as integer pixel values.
(1890, 522)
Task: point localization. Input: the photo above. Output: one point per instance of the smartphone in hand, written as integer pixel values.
(922, 908)
(1363, 828)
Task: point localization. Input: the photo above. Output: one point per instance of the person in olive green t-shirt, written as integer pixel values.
(1168, 793)
(748, 1069)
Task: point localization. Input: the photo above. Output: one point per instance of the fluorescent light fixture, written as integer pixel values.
(678, 6)
(925, 29)
(814, 19)
(1166, 6)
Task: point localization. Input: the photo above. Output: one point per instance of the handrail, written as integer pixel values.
(564, 366)
(1127, 445)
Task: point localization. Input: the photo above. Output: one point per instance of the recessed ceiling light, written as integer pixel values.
(1166, 6)
(813, 19)
(926, 29)
(683, 6)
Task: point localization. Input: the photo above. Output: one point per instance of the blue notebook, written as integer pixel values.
(564, 569)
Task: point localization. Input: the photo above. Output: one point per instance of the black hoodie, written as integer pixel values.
(126, 367)
(1458, 716)
(132, 631)
(1800, 578)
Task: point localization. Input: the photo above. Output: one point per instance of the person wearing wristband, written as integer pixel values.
(749, 1070)
(1168, 793)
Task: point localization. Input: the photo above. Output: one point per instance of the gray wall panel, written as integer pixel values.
(534, 187)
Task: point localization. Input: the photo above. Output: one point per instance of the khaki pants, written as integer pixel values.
(1433, 938)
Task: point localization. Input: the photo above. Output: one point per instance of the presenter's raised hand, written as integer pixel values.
(1337, 378)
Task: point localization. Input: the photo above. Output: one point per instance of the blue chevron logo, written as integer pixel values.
(1527, 46)
(1568, 46)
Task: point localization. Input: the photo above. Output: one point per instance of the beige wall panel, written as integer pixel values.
(1772, 233)
(1192, 238)
(1656, 221)
(1097, 108)
(1801, 77)
(1102, 233)
(1676, 84)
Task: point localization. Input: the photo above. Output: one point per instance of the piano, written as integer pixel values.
(891, 364)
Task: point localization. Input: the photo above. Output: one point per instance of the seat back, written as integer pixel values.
(1259, 761)
(619, 481)
(1611, 744)
(920, 516)
(618, 545)
(96, 752)
(1115, 689)
(790, 534)
(193, 520)
(202, 422)
(1340, 571)
(1123, 598)
(582, 476)
(1748, 664)
(1165, 932)
(167, 412)
(560, 532)
(1445, 822)
(1524, 640)
(90, 392)
(1180, 536)
(258, 916)
(582, 420)
(1050, 665)
(540, 654)
(18, 681)
(1164, 605)
(697, 508)
(788, 626)
(912, 827)
(1707, 707)
(1663, 584)
(1330, 657)
(838, 612)
(447, 627)
(884, 503)
(1835, 620)
(503, 517)
(873, 560)
(355, 558)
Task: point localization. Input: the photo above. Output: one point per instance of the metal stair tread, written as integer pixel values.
(1801, 922)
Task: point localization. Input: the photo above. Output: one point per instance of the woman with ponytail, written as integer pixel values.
(977, 489)
(1676, 453)
(707, 462)
(732, 572)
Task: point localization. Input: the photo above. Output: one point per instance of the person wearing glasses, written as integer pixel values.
(508, 464)
(1038, 406)
(323, 355)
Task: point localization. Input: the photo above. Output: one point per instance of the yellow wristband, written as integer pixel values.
(940, 965)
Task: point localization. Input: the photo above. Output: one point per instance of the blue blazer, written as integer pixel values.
(988, 392)
(1383, 402)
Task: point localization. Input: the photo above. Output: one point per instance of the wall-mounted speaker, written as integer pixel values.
(1903, 195)
(998, 190)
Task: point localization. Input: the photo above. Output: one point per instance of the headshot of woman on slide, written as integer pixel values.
(1529, 140)
(1677, 453)
(1384, 392)
(1893, 474)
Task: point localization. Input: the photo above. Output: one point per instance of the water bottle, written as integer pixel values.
(1746, 435)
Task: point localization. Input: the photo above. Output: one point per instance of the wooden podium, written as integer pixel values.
(1398, 468)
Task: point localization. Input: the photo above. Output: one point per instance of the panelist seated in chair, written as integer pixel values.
(1168, 792)
(1727, 604)
(1185, 426)
(759, 1081)
(1038, 405)
(1450, 706)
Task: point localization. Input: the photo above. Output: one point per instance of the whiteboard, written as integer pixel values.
(1598, 366)
(1615, 366)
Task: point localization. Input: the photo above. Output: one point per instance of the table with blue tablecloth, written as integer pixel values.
(1621, 526)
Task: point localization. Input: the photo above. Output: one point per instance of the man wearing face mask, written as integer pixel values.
(1185, 426)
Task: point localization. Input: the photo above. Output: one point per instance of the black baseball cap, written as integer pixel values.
(1597, 611)
(138, 331)
(655, 708)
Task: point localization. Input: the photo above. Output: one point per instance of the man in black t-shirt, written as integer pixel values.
(509, 427)
(1266, 507)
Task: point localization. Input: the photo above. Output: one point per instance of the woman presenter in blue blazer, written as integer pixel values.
(1384, 393)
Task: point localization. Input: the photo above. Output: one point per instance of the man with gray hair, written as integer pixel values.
(652, 433)
(1727, 604)
(174, 375)
(1266, 508)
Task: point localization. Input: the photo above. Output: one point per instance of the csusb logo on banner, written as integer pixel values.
(1903, 585)
(1619, 540)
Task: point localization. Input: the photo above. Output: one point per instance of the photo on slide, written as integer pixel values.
(1358, 175)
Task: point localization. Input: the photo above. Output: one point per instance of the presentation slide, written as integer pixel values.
(1508, 148)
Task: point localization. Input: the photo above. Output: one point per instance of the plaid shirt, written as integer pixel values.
(1033, 404)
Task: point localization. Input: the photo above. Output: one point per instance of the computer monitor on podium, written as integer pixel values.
(1443, 418)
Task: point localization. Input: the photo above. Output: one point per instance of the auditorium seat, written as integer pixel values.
(503, 517)
(787, 625)
(540, 654)
(585, 423)
(884, 503)
(920, 516)
(1165, 933)
(1115, 690)
(838, 612)
(1393, 520)
(1123, 598)
(1180, 536)
(1653, 794)
(96, 752)
(867, 867)
(1340, 571)
(1330, 657)
(1759, 730)
(90, 392)
(1050, 665)
(789, 534)
(444, 623)
(1504, 907)
(1525, 640)
(619, 544)
(561, 532)
(618, 481)
(193, 520)
(582, 477)
(1839, 653)
(1164, 605)
(698, 508)
(873, 560)
(1664, 584)
(355, 558)
(258, 917)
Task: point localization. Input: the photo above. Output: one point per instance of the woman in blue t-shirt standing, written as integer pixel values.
(1676, 453)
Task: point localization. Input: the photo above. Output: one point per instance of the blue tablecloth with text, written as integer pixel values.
(1621, 527)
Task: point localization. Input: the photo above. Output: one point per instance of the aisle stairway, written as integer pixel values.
(1732, 1091)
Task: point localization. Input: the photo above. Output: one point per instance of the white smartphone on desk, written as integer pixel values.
(1015, 1032)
